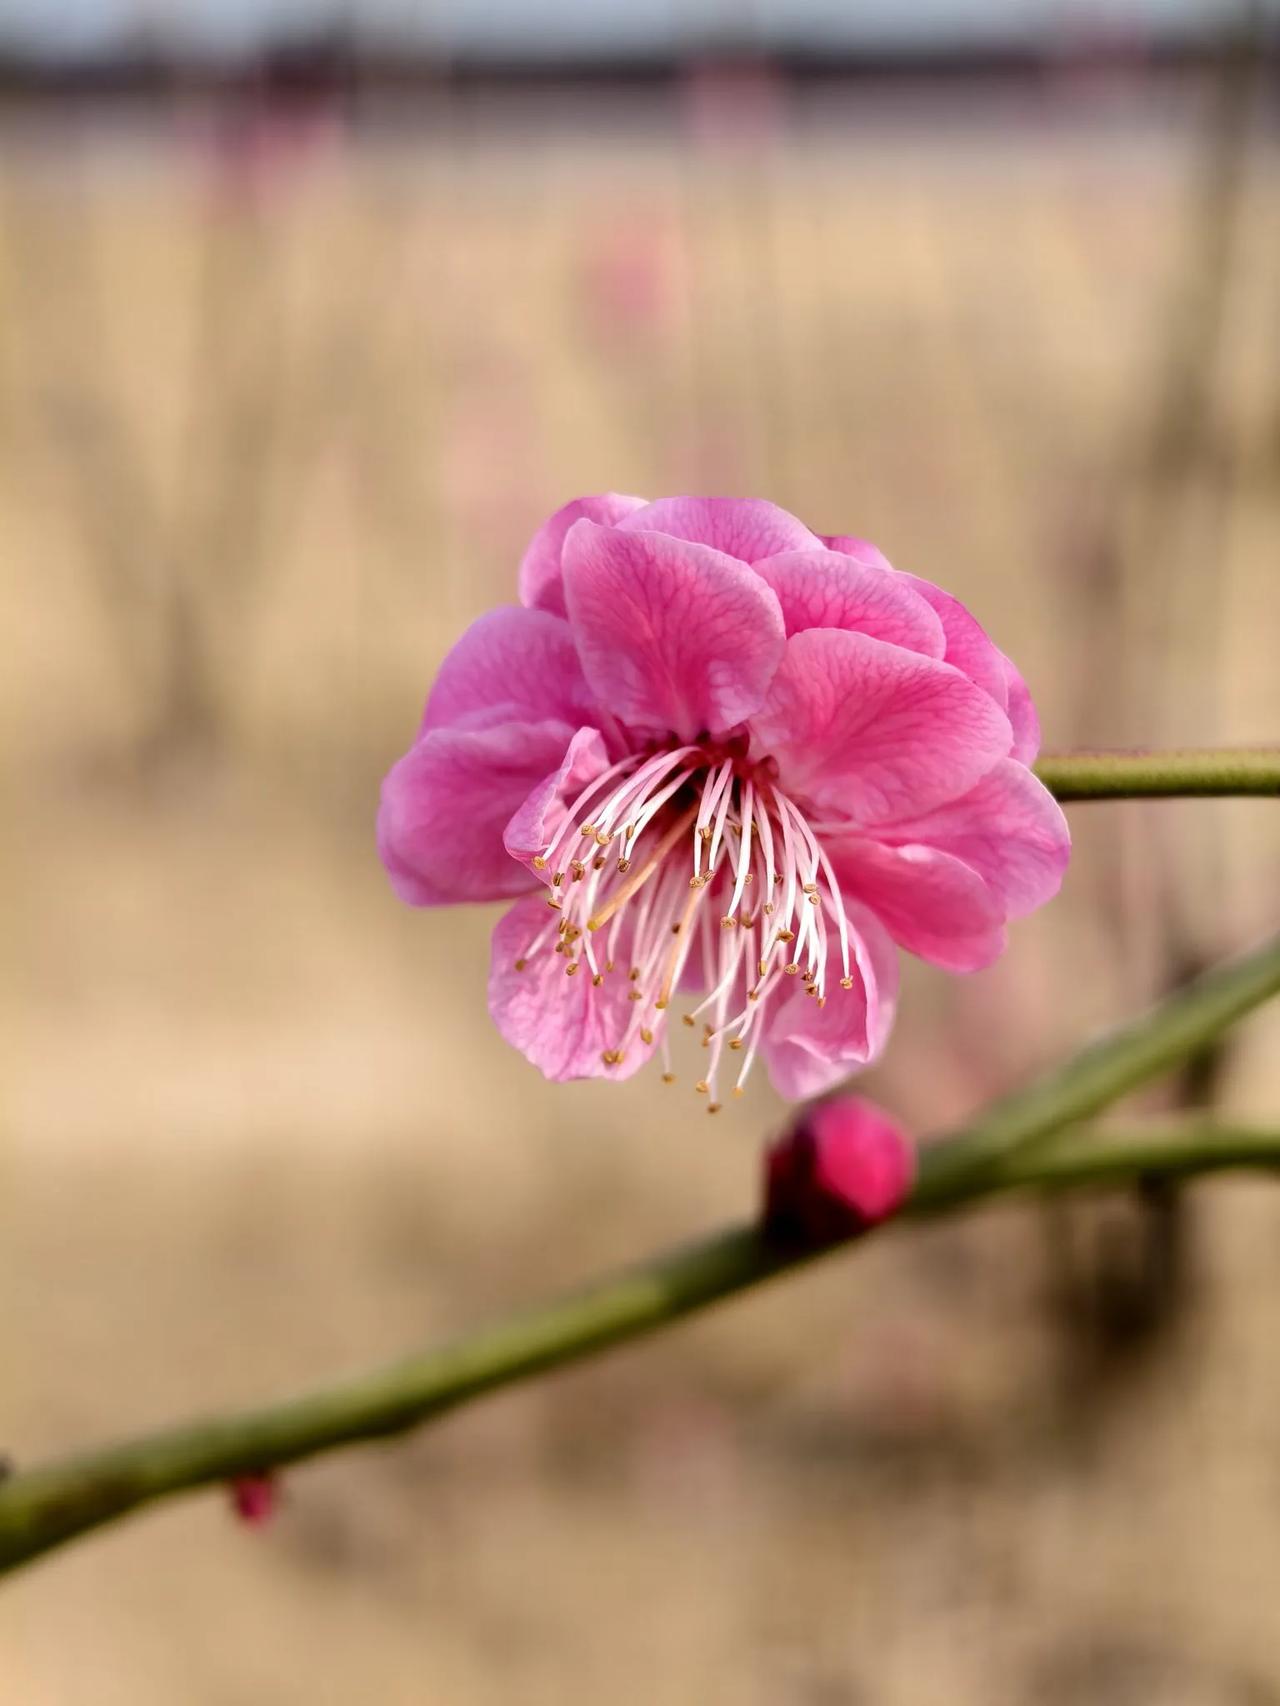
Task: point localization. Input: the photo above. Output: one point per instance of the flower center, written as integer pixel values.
(694, 860)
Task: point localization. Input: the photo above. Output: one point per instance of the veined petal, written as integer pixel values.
(541, 815)
(862, 550)
(1022, 716)
(564, 1024)
(512, 665)
(931, 902)
(672, 635)
(827, 589)
(446, 803)
(967, 645)
(541, 579)
(1008, 828)
(872, 732)
(745, 528)
(808, 1047)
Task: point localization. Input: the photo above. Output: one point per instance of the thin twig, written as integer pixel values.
(998, 1152)
(1161, 775)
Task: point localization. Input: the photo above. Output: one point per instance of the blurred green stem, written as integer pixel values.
(1161, 775)
(1001, 1150)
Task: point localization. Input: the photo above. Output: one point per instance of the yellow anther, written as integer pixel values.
(603, 838)
(553, 903)
(539, 863)
(791, 970)
(577, 870)
(846, 983)
(738, 1090)
(571, 968)
(735, 1042)
(713, 1107)
(587, 829)
(599, 862)
(598, 979)
(557, 877)
(728, 923)
(822, 1001)
(668, 1077)
(646, 1037)
(624, 865)
(786, 935)
(634, 974)
(635, 995)
(702, 1087)
(608, 965)
(688, 1020)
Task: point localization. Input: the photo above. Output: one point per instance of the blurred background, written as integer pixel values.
(309, 313)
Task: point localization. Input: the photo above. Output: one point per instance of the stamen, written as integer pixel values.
(642, 876)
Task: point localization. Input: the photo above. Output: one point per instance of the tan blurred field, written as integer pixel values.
(273, 430)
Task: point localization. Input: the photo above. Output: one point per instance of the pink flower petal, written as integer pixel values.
(932, 903)
(512, 665)
(673, 636)
(745, 528)
(970, 648)
(1008, 828)
(862, 550)
(563, 1025)
(873, 732)
(541, 816)
(447, 802)
(808, 1048)
(541, 582)
(824, 589)
(1022, 717)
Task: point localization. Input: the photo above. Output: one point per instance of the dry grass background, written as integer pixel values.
(275, 422)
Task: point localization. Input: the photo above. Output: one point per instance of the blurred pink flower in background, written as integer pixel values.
(714, 753)
(632, 280)
(730, 103)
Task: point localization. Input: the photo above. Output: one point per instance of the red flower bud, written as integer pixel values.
(254, 1498)
(842, 1166)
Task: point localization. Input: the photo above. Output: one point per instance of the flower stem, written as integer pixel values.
(1161, 775)
(1001, 1150)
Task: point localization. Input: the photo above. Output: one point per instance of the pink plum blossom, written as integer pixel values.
(714, 756)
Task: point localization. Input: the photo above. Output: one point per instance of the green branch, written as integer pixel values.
(1001, 1150)
(1161, 775)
